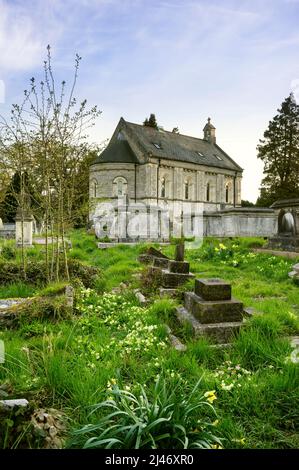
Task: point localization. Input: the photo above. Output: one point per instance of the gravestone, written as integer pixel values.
(172, 273)
(294, 274)
(211, 311)
(24, 228)
(151, 255)
(287, 237)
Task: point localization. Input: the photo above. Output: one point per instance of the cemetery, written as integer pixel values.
(214, 328)
(149, 281)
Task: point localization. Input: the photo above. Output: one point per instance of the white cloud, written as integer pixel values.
(24, 34)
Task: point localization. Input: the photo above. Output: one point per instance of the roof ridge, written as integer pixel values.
(169, 132)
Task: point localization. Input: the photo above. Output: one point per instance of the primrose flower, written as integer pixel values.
(222, 247)
(210, 396)
(240, 441)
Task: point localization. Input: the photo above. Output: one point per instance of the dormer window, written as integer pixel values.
(158, 146)
(120, 136)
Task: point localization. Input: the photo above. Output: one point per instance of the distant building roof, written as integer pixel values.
(166, 145)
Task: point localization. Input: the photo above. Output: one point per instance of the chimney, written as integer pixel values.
(209, 132)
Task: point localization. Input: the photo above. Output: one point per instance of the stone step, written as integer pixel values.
(213, 311)
(213, 289)
(168, 292)
(179, 267)
(220, 333)
(161, 263)
(173, 280)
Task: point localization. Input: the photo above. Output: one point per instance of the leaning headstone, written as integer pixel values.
(151, 255)
(171, 273)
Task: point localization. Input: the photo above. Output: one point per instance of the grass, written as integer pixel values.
(16, 289)
(71, 365)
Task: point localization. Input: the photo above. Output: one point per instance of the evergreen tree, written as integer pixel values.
(279, 151)
(11, 201)
(9, 205)
(246, 203)
(151, 122)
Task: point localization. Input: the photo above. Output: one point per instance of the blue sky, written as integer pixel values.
(184, 60)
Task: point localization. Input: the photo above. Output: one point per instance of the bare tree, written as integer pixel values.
(46, 138)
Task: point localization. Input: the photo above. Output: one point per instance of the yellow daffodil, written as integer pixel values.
(210, 396)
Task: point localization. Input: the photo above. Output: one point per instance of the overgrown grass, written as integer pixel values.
(71, 365)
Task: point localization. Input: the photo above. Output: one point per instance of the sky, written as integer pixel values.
(184, 60)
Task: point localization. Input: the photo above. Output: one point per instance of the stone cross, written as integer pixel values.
(180, 251)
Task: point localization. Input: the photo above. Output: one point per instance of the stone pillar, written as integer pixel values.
(238, 190)
(27, 229)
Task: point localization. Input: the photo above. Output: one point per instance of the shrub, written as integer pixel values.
(11, 271)
(8, 252)
(136, 421)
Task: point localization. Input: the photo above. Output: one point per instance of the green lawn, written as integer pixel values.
(116, 350)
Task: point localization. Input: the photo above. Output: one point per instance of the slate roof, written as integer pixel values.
(118, 151)
(177, 147)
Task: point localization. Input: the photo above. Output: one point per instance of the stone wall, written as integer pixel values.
(241, 222)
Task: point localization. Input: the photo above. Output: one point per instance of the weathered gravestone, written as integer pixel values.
(172, 273)
(211, 311)
(294, 274)
(150, 255)
(287, 237)
(24, 228)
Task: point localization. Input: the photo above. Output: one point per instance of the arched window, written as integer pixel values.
(227, 192)
(187, 190)
(163, 187)
(208, 192)
(120, 186)
(94, 188)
